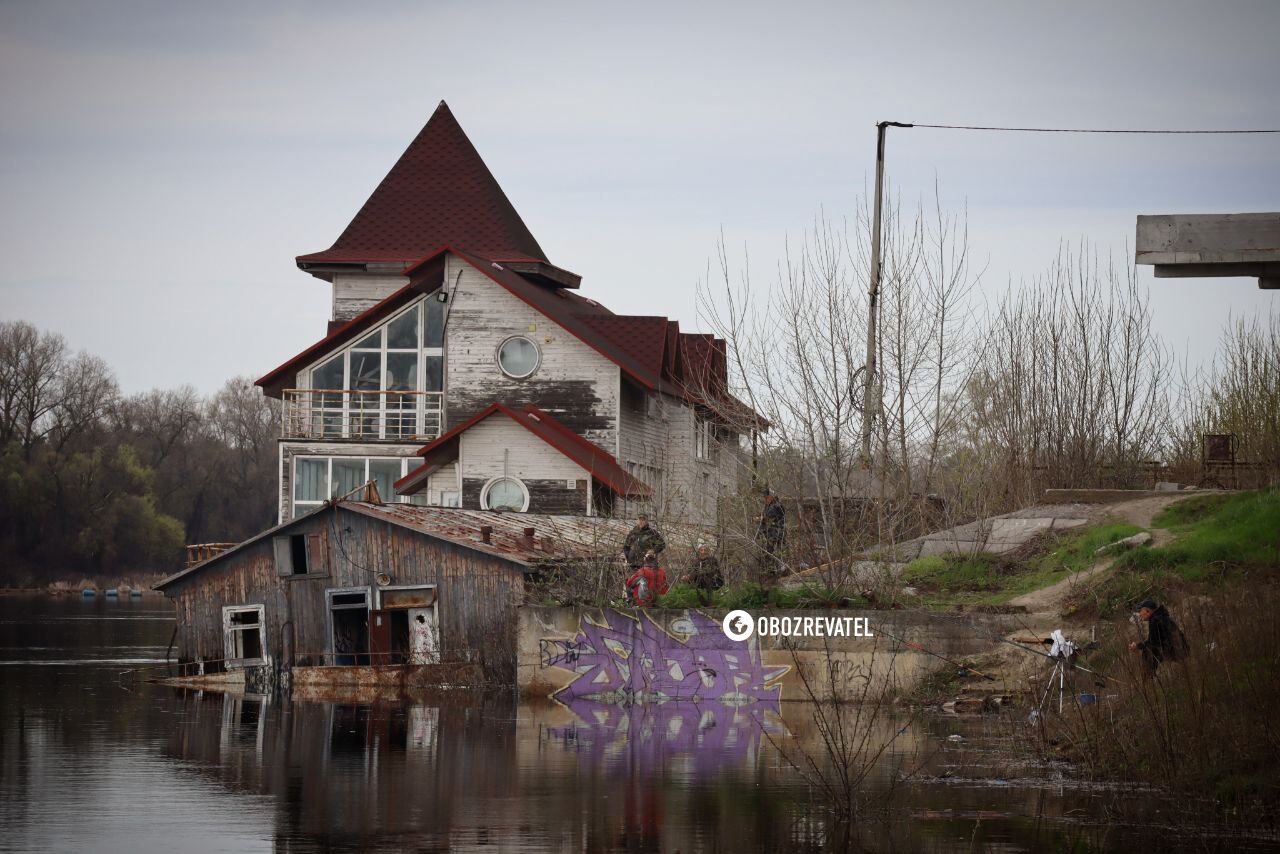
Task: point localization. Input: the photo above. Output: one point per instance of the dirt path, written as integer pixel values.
(1047, 601)
(1142, 512)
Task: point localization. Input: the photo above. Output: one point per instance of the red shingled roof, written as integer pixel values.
(595, 460)
(642, 337)
(439, 192)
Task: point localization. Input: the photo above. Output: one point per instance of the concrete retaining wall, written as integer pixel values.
(608, 655)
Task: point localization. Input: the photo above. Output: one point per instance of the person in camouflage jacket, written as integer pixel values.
(643, 538)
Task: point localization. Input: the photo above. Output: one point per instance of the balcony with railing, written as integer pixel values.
(344, 414)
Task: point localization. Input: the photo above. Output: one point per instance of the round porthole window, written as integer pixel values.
(518, 357)
(505, 493)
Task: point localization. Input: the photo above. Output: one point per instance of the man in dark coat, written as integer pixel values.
(642, 539)
(773, 527)
(1165, 641)
(705, 574)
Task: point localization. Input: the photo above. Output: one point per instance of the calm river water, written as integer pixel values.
(94, 759)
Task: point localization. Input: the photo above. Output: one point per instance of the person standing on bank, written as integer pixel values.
(704, 574)
(641, 539)
(772, 532)
(1165, 641)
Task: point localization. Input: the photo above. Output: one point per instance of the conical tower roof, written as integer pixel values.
(439, 192)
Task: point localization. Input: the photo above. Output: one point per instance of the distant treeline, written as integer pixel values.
(96, 483)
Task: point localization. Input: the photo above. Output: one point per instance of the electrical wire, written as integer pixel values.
(1084, 130)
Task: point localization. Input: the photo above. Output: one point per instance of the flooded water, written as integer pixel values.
(92, 758)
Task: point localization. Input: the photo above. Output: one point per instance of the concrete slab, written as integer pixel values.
(951, 546)
(1017, 531)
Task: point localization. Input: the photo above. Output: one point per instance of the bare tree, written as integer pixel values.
(45, 393)
(797, 361)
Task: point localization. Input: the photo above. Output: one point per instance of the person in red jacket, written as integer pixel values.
(648, 582)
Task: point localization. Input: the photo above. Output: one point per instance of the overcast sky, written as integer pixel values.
(161, 164)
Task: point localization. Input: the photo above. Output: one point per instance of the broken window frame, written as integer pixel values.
(703, 437)
(230, 629)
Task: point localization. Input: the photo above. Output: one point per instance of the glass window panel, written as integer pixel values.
(433, 322)
(505, 494)
(366, 371)
(372, 342)
(328, 375)
(518, 357)
(402, 371)
(433, 373)
(385, 473)
(402, 333)
(310, 479)
(348, 473)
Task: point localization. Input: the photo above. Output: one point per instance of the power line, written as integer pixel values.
(1085, 130)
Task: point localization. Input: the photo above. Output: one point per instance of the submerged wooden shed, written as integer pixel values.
(355, 583)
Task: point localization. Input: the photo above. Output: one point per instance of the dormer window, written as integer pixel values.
(518, 357)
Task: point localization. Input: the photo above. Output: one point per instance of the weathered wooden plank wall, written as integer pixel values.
(477, 592)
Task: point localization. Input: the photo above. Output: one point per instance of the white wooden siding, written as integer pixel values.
(498, 447)
(573, 382)
(353, 293)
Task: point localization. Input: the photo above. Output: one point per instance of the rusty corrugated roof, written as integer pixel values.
(555, 538)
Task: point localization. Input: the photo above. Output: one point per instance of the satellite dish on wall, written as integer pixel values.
(383, 579)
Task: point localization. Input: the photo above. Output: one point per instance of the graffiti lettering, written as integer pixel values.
(632, 660)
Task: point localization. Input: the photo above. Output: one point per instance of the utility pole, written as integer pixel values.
(870, 402)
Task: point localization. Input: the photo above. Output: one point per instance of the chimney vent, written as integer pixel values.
(486, 533)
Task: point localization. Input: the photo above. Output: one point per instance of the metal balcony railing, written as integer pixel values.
(366, 415)
(200, 552)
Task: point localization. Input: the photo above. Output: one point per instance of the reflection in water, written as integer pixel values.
(93, 760)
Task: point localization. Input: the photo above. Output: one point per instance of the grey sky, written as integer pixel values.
(161, 164)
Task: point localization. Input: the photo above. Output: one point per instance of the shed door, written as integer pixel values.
(380, 637)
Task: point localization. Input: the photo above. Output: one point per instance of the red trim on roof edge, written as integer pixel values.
(609, 472)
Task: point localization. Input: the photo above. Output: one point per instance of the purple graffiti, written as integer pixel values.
(626, 738)
(633, 660)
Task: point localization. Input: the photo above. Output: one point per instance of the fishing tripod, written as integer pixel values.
(1060, 665)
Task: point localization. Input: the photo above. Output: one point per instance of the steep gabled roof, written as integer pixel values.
(439, 192)
(599, 463)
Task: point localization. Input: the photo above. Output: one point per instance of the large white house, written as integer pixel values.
(461, 368)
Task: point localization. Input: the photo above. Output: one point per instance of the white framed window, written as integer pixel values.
(518, 357)
(505, 493)
(316, 479)
(703, 434)
(243, 639)
(378, 382)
